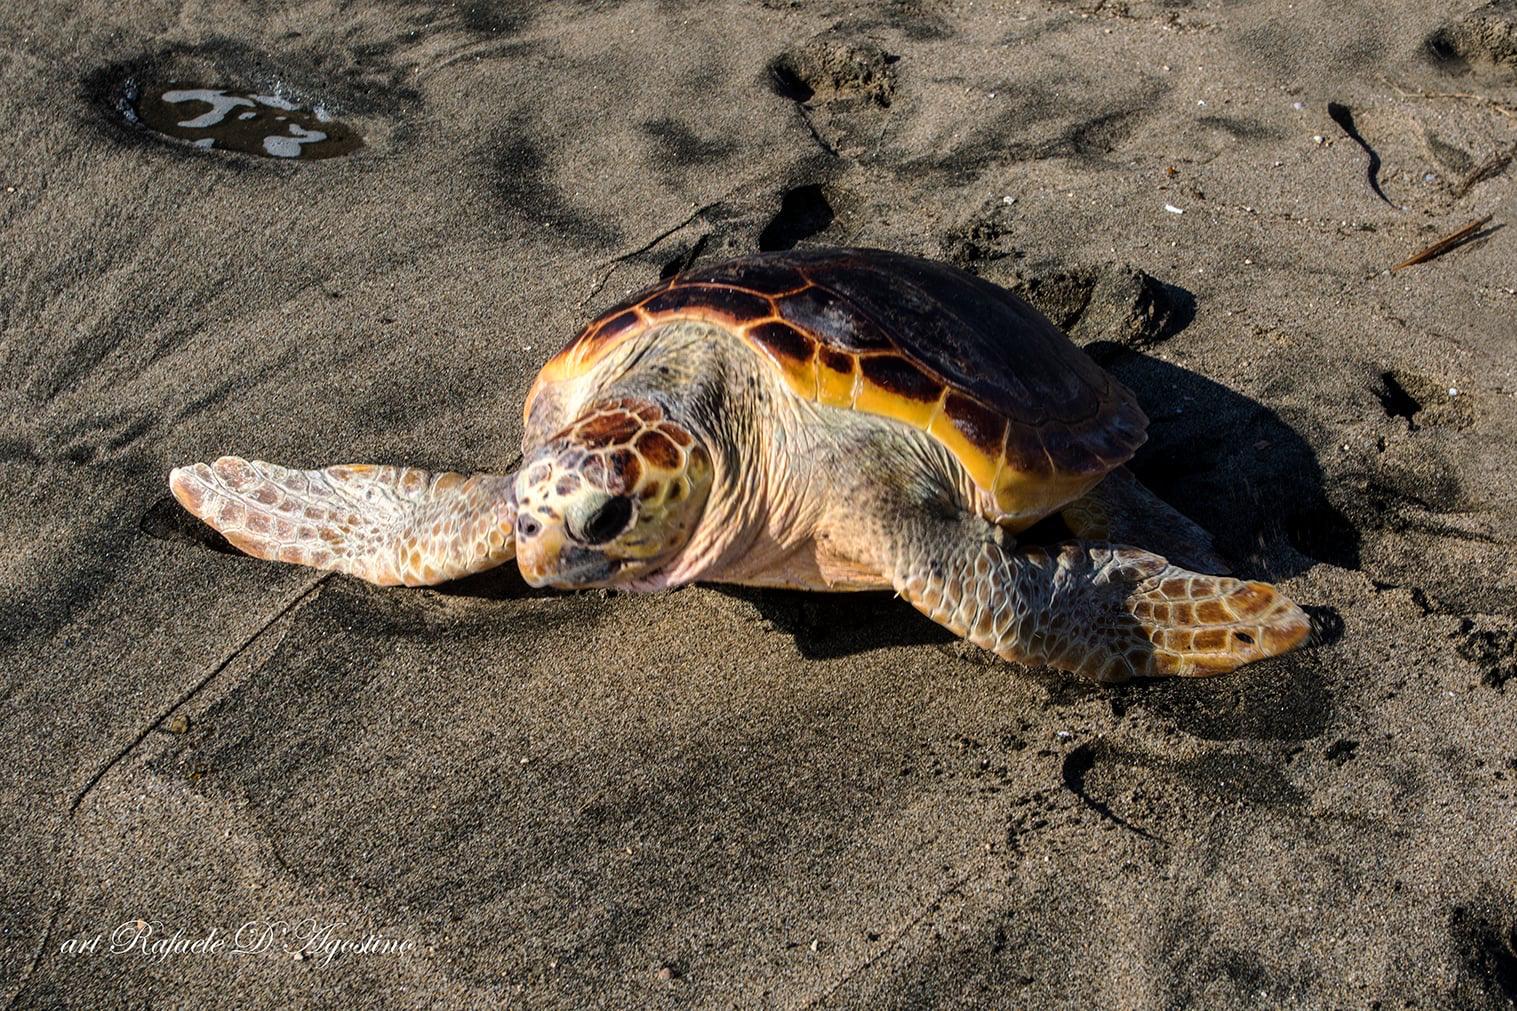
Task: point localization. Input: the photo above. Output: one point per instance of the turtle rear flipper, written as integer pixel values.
(1121, 510)
(387, 525)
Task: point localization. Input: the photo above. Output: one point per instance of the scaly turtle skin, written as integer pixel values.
(822, 419)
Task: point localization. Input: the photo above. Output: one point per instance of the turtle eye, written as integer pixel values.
(607, 521)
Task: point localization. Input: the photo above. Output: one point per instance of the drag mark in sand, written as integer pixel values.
(305, 594)
(953, 887)
(609, 267)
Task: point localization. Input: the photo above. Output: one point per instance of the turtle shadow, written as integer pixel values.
(504, 582)
(1235, 467)
(825, 626)
(167, 520)
(828, 626)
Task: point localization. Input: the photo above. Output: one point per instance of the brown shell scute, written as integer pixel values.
(1034, 421)
(783, 341)
(979, 424)
(758, 274)
(899, 376)
(834, 322)
(614, 325)
(837, 361)
(710, 299)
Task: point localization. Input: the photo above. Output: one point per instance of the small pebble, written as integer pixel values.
(1317, 138)
(180, 723)
(815, 945)
(1008, 201)
(667, 973)
(1453, 391)
(1171, 208)
(1298, 106)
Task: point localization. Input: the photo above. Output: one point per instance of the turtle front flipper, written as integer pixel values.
(1104, 611)
(387, 525)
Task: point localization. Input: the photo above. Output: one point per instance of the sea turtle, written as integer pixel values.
(826, 419)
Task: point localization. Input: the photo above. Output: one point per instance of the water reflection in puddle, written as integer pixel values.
(226, 120)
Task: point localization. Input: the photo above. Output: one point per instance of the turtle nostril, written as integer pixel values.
(526, 526)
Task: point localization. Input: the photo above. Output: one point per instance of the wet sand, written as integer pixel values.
(719, 798)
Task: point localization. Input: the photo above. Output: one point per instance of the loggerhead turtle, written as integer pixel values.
(826, 419)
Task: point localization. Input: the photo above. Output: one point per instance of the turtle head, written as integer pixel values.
(610, 499)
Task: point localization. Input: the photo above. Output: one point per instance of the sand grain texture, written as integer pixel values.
(740, 799)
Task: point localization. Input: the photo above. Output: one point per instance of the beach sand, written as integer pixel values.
(720, 798)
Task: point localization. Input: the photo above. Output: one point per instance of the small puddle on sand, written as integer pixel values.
(224, 120)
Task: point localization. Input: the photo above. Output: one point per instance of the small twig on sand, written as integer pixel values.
(1444, 244)
(1465, 96)
(1489, 166)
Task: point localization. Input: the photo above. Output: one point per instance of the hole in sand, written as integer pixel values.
(829, 69)
(804, 211)
(788, 84)
(1398, 403)
(223, 119)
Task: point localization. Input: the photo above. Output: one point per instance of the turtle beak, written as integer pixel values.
(537, 556)
(547, 560)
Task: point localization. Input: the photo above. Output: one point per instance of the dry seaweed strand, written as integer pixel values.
(1506, 110)
(1489, 166)
(1444, 244)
